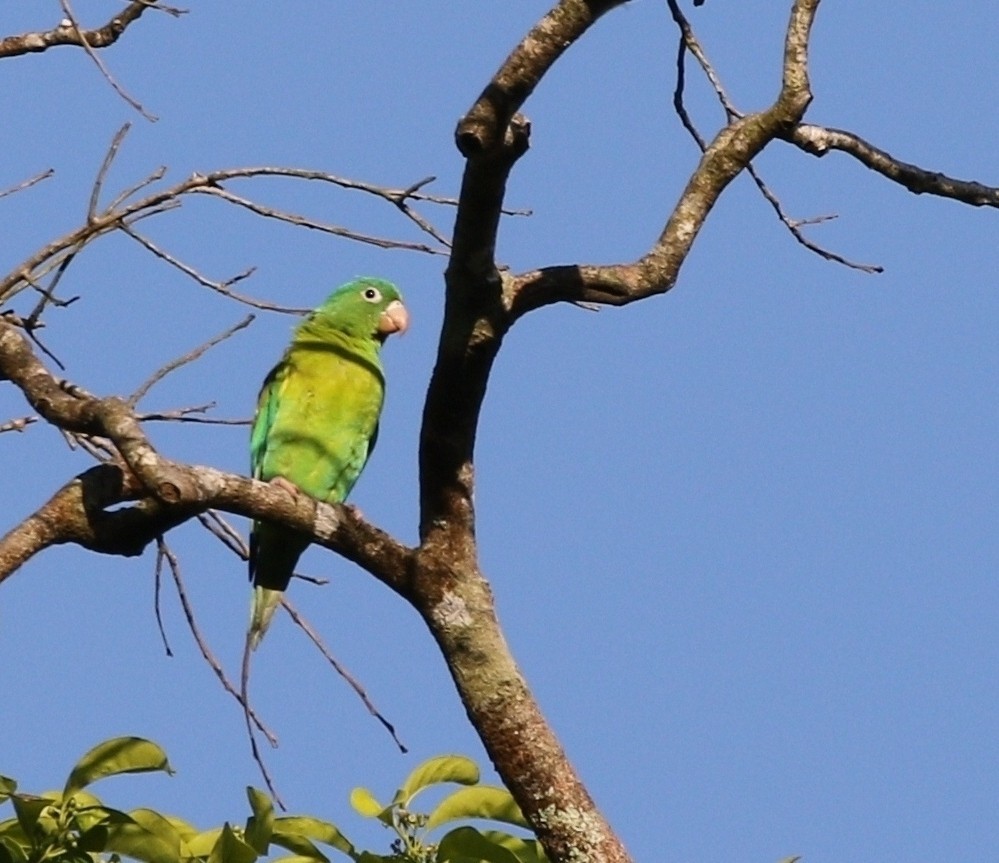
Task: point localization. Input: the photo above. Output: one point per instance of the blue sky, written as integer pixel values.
(742, 537)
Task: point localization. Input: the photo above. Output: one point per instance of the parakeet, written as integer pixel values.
(317, 421)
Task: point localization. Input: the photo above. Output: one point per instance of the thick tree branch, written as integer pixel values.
(728, 155)
(68, 34)
(168, 492)
(481, 303)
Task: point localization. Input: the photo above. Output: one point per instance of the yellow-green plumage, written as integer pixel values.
(317, 421)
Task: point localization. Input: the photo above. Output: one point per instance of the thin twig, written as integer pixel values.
(209, 657)
(346, 675)
(223, 288)
(102, 173)
(303, 222)
(157, 580)
(216, 525)
(31, 181)
(68, 10)
(125, 194)
(185, 415)
(244, 688)
(678, 103)
(18, 425)
(189, 357)
(794, 226)
(694, 46)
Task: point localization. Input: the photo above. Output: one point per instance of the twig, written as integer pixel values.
(688, 42)
(58, 252)
(18, 424)
(161, 549)
(223, 288)
(189, 357)
(184, 415)
(224, 532)
(346, 675)
(794, 226)
(244, 688)
(85, 44)
(209, 657)
(125, 194)
(103, 171)
(694, 46)
(678, 103)
(303, 222)
(31, 181)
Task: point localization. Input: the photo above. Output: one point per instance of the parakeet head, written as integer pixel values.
(365, 308)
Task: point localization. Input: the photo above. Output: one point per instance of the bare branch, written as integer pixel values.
(171, 492)
(163, 551)
(223, 288)
(59, 253)
(189, 357)
(216, 525)
(819, 140)
(18, 425)
(352, 682)
(66, 34)
(689, 42)
(26, 184)
(794, 226)
(84, 43)
(186, 415)
(304, 222)
(102, 173)
(157, 581)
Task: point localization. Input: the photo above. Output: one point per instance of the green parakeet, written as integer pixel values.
(317, 421)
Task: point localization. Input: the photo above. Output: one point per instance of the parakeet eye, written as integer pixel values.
(372, 295)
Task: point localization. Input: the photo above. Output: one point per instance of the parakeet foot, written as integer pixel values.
(288, 486)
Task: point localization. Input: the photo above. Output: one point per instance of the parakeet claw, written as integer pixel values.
(286, 485)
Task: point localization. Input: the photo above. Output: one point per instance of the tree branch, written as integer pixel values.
(168, 492)
(68, 34)
(730, 153)
(819, 140)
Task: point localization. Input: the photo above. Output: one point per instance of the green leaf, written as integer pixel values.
(201, 844)
(300, 845)
(143, 834)
(118, 755)
(90, 815)
(793, 859)
(312, 828)
(11, 851)
(93, 839)
(468, 843)
(483, 801)
(29, 811)
(294, 858)
(527, 850)
(229, 848)
(434, 771)
(365, 804)
(7, 787)
(260, 825)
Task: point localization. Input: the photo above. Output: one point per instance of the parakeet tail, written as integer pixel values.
(265, 603)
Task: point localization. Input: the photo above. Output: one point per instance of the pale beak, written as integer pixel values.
(395, 319)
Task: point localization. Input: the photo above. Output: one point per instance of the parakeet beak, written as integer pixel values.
(395, 319)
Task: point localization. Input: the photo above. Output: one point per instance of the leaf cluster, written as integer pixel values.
(75, 826)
